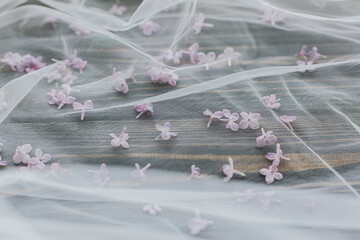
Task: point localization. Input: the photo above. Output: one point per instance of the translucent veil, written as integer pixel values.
(319, 195)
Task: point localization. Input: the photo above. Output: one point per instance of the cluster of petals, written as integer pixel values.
(195, 172)
(199, 23)
(37, 162)
(121, 140)
(266, 137)
(273, 16)
(169, 55)
(59, 97)
(229, 171)
(102, 176)
(149, 27)
(20, 63)
(229, 55)
(145, 107)
(271, 101)
(272, 173)
(165, 131)
(198, 224)
(87, 105)
(139, 173)
(162, 75)
(152, 209)
(79, 29)
(118, 9)
(308, 58)
(119, 80)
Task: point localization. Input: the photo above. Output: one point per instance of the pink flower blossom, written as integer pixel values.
(117, 9)
(63, 66)
(244, 197)
(119, 80)
(195, 172)
(78, 63)
(21, 154)
(198, 224)
(271, 101)
(288, 119)
(231, 120)
(79, 30)
(121, 140)
(276, 157)
(249, 120)
(302, 53)
(229, 55)
(165, 131)
(152, 209)
(139, 173)
(305, 63)
(267, 198)
(88, 105)
(206, 59)
(311, 55)
(268, 137)
(20, 63)
(102, 176)
(162, 75)
(69, 78)
(57, 171)
(271, 174)
(149, 27)
(170, 55)
(53, 76)
(215, 115)
(199, 23)
(3, 103)
(142, 108)
(59, 98)
(229, 171)
(38, 162)
(273, 16)
(193, 53)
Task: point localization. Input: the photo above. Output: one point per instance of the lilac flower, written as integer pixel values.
(206, 58)
(142, 108)
(267, 198)
(121, 140)
(119, 81)
(79, 30)
(231, 121)
(273, 16)
(249, 120)
(302, 53)
(288, 119)
(38, 162)
(229, 171)
(229, 55)
(311, 55)
(162, 75)
(117, 9)
(195, 172)
(102, 176)
(245, 196)
(152, 209)
(216, 115)
(304, 63)
(265, 137)
(69, 78)
(53, 76)
(271, 174)
(271, 101)
(88, 105)
(139, 173)
(199, 23)
(3, 103)
(59, 98)
(20, 63)
(62, 66)
(78, 63)
(198, 224)
(13, 60)
(154, 72)
(193, 53)
(21, 154)
(31, 63)
(57, 171)
(149, 27)
(170, 55)
(276, 157)
(165, 131)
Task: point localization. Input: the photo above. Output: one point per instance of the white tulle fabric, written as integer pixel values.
(323, 204)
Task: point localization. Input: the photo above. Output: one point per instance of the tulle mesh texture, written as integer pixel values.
(318, 197)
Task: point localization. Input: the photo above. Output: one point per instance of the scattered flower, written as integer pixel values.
(57, 171)
(59, 98)
(195, 172)
(229, 55)
(121, 140)
(21, 154)
(88, 105)
(215, 115)
(249, 120)
(142, 108)
(117, 9)
(206, 59)
(149, 27)
(199, 23)
(267, 198)
(162, 75)
(78, 63)
(231, 120)
(273, 16)
(271, 101)
(288, 119)
(3, 103)
(79, 30)
(170, 55)
(165, 131)
(305, 63)
(20, 63)
(119, 80)
(271, 174)
(193, 53)
(198, 224)
(276, 157)
(38, 162)
(139, 173)
(268, 137)
(152, 209)
(311, 55)
(53, 76)
(229, 171)
(102, 176)
(69, 78)
(244, 197)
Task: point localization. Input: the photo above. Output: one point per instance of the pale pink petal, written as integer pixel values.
(244, 124)
(77, 106)
(88, 105)
(278, 176)
(269, 179)
(271, 156)
(116, 142)
(167, 126)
